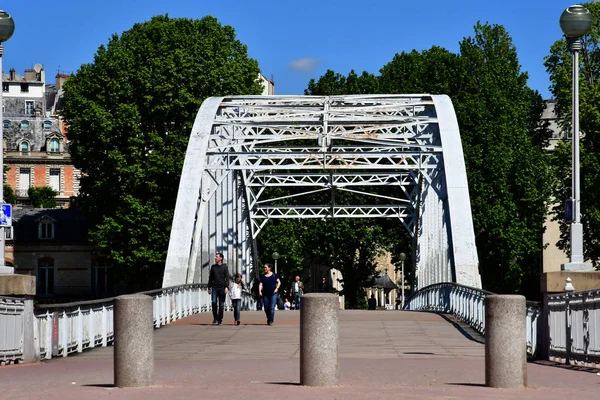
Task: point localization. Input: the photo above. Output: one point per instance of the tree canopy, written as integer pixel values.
(559, 65)
(129, 116)
(503, 140)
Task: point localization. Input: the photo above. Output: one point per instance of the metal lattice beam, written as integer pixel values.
(393, 150)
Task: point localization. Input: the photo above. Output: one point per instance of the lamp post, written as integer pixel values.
(275, 256)
(402, 258)
(7, 27)
(575, 22)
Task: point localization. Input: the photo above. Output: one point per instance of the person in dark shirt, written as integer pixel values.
(324, 287)
(372, 302)
(218, 284)
(268, 288)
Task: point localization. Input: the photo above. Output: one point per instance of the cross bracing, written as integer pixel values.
(373, 156)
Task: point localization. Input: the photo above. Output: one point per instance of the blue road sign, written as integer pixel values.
(6, 215)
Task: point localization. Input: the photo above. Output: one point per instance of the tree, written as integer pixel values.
(559, 65)
(42, 196)
(130, 114)
(509, 173)
(503, 141)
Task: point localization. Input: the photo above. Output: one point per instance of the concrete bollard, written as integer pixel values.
(505, 341)
(134, 341)
(319, 339)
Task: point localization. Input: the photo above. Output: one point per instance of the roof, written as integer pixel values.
(384, 281)
(69, 224)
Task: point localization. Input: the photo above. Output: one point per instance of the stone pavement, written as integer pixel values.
(382, 355)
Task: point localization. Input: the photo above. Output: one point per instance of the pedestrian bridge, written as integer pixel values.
(391, 156)
(382, 354)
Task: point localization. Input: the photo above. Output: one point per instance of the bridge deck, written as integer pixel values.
(383, 354)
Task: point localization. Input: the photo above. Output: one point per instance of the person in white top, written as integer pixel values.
(236, 297)
(287, 305)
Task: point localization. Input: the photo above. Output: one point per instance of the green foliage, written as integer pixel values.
(130, 114)
(42, 196)
(503, 141)
(9, 195)
(559, 65)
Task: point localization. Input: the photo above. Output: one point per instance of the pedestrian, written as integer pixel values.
(236, 297)
(324, 288)
(268, 288)
(287, 305)
(372, 302)
(296, 291)
(218, 284)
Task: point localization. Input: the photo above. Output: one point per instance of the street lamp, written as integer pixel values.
(402, 258)
(275, 256)
(7, 27)
(575, 22)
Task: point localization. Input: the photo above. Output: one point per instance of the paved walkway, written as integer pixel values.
(382, 355)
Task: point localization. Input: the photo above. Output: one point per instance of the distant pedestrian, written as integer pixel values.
(268, 289)
(324, 287)
(236, 297)
(372, 302)
(287, 305)
(218, 284)
(296, 291)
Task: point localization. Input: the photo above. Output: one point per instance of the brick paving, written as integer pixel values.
(382, 355)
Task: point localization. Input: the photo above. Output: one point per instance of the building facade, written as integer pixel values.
(36, 149)
(53, 246)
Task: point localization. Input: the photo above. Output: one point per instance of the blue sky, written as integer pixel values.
(293, 41)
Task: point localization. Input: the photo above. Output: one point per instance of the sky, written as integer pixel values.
(293, 41)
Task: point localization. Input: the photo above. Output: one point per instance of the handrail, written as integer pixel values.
(68, 328)
(468, 305)
(574, 321)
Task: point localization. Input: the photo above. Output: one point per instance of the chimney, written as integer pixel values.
(12, 74)
(30, 75)
(60, 80)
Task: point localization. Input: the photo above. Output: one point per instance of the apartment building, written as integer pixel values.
(36, 149)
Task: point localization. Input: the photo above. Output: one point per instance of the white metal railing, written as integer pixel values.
(63, 329)
(468, 305)
(574, 322)
(12, 312)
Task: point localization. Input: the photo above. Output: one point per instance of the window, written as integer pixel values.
(25, 147)
(24, 124)
(24, 181)
(54, 145)
(55, 179)
(4, 86)
(24, 87)
(46, 230)
(6, 123)
(45, 277)
(47, 124)
(101, 282)
(29, 107)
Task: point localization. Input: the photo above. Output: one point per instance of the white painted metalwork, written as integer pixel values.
(468, 305)
(11, 329)
(574, 322)
(402, 152)
(64, 329)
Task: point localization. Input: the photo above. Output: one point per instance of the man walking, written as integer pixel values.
(218, 284)
(297, 290)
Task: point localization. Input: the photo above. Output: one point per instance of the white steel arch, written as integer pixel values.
(402, 151)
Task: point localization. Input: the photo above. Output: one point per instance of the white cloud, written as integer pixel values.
(305, 64)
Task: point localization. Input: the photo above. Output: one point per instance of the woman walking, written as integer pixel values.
(236, 297)
(268, 288)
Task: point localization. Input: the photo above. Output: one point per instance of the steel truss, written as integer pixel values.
(386, 148)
